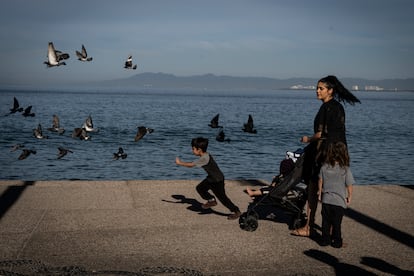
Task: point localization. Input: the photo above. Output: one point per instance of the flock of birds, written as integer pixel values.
(82, 133)
(56, 57)
(221, 136)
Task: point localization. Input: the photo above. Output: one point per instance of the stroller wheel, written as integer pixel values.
(254, 214)
(248, 221)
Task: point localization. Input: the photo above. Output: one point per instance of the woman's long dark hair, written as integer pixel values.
(340, 93)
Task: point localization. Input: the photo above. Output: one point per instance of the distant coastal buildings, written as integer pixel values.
(353, 87)
(302, 87)
(150, 80)
(368, 88)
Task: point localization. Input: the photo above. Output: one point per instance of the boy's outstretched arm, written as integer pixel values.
(184, 164)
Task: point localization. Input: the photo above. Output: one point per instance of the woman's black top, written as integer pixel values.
(330, 121)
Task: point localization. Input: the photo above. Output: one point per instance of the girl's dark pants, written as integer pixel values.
(332, 217)
(219, 192)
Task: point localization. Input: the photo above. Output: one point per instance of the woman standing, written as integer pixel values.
(329, 127)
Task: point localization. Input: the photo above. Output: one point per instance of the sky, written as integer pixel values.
(371, 39)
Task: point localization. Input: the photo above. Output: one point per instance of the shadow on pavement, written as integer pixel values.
(195, 205)
(11, 195)
(340, 268)
(384, 266)
(380, 227)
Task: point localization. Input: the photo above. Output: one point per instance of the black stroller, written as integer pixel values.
(287, 193)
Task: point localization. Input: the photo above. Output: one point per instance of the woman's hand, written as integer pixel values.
(305, 139)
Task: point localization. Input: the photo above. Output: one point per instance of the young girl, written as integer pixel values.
(335, 192)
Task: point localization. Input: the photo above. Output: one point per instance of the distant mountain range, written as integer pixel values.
(210, 81)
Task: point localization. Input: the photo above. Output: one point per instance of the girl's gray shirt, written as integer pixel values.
(335, 180)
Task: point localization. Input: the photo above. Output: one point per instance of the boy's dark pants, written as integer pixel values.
(332, 217)
(219, 192)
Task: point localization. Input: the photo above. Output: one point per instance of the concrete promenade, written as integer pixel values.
(157, 228)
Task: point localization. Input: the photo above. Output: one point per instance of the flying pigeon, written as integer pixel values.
(38, 133)
(25, 153)
(221, 137)
(141, 132)
(28, 112)
(88, 125)
(83, 56)
(61, 56)
(16, 106)
(120, 154)
(80, 133)
(248, 127)
(63, 152)
(16, 147)
(56, 126)
(54, 57)
(214, 122)
(128, 64)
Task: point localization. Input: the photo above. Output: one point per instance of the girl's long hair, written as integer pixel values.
(340, 93)
(337, 153)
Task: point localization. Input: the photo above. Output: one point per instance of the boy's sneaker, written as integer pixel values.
(209, 204)
(235, 215)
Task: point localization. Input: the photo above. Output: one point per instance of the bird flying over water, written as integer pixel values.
(38, 133)
(83, 56)
(128, 63)
(54, 57)
(221, 137)
(56, 125)
(16, 147)
(63, 152)
(80, 133)
(25, 153)
(214, 123)
(249, 127)
(88, 125)
(28, 112)
(142, 131)
(120, 154)
(16, 106)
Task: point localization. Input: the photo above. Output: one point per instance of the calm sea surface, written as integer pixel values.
(380, 133)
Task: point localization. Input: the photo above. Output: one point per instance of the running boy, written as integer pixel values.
(214, 180)
(335, 192)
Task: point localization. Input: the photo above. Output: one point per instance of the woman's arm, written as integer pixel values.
(307, 139)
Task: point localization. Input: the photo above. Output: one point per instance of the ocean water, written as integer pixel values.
(380, 133)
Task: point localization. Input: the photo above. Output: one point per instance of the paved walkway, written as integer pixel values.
(158, 228)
